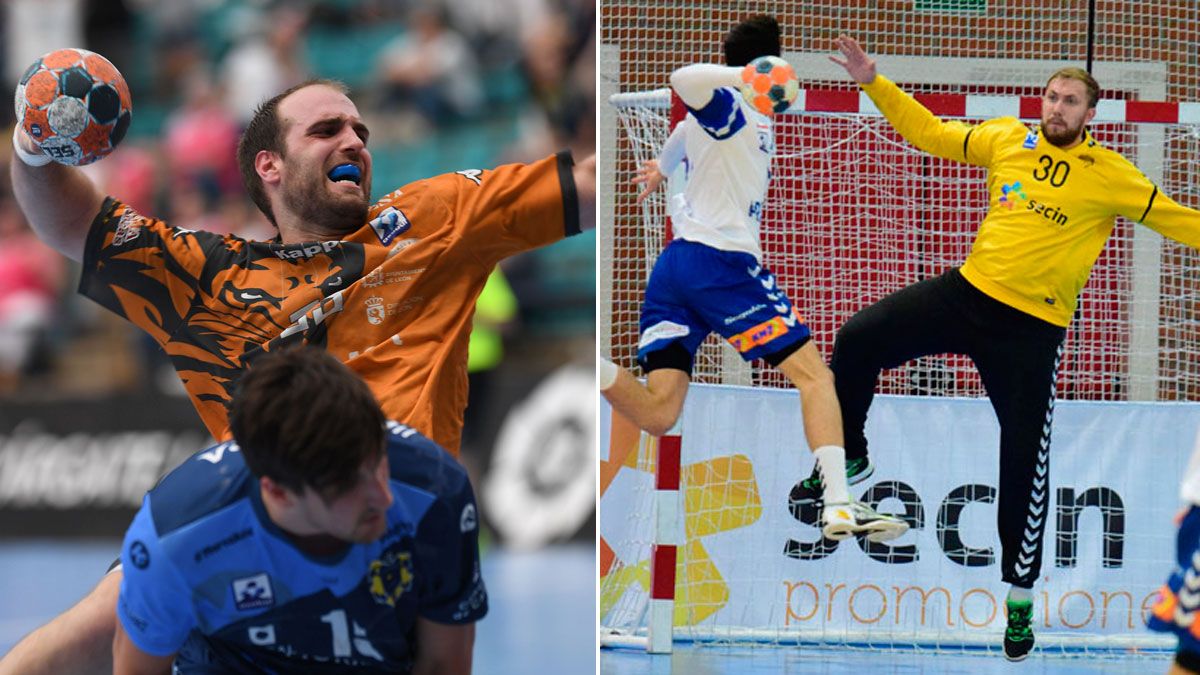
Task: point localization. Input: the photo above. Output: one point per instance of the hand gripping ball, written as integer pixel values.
(75, 105)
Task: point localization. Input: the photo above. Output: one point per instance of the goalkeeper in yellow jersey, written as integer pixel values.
(1054, 193)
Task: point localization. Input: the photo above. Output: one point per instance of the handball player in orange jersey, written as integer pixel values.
(388, 288)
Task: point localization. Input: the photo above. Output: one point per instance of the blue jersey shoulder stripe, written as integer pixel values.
(206, 482)
(416, 460)
(721, 117)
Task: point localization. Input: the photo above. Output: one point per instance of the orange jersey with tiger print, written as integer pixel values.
(393, 300)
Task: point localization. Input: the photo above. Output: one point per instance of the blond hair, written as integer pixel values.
(1079, 75)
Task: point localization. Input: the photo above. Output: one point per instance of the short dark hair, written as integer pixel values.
(303, 419)
(752, 38)
(266, 132)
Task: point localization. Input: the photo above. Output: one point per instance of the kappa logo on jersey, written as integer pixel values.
(390, 577)
(139, 555)
(1009, 194)
(468, 520)
(389, 224)
(471, 175)
(303, 251)
(663, 330)
(253, 592)
(128, 228)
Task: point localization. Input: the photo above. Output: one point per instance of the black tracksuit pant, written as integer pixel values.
(1017, 356)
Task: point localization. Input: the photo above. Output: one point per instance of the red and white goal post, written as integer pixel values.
(854, 213)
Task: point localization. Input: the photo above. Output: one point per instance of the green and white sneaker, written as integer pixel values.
(842, 521)
(811, 491)
(1018, 637)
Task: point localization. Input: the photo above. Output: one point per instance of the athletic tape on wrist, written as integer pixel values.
(29, 158)
(608, 373)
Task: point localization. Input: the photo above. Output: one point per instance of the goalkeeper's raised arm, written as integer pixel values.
(912, 120)
(59, 201)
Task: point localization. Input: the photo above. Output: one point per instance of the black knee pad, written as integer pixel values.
(672, 356)
(1188, 659)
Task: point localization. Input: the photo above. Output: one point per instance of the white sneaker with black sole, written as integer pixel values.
(842, 521)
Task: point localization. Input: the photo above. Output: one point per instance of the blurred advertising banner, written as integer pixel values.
(752, 559)
(79, 467)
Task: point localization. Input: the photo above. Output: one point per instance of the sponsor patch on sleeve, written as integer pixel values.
(389, 224)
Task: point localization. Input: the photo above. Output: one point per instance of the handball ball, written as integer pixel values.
(769, 84)
(75, 105)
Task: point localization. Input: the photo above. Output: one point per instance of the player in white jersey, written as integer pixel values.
(710, 278)
(1178, 599)
(727, 171)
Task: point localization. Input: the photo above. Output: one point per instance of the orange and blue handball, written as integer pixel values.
(769, 84)
(75, 105)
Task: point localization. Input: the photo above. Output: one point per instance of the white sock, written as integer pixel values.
(1018, 594)
(831, 460)
(607, 373)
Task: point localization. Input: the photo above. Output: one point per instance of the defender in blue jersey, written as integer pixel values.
(711, 278)
(319, 540)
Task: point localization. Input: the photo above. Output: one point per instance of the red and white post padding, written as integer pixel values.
(667, 529)
(984, 106)
(951, 105)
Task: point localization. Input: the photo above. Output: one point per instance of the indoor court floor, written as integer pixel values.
(541, 617)
(695, 660)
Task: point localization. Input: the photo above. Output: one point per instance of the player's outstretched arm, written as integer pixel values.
(129, 660)
(912, 120)
(860, 66)
(653, 172)
(59, 201)
(695, 84)
(649, 177)
(443, 649)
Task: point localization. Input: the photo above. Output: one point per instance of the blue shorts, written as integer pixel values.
(696, 289)
(1175, 611)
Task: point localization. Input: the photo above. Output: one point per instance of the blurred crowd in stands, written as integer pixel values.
(443, 84)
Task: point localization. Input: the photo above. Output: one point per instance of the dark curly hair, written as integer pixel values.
(752, 38)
